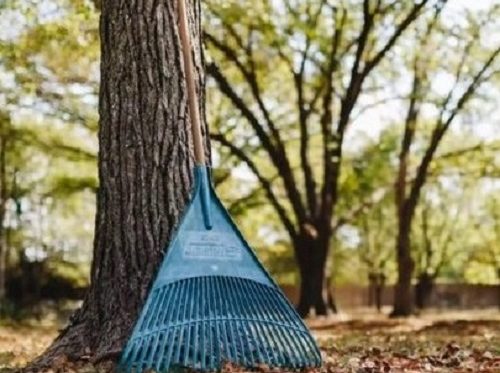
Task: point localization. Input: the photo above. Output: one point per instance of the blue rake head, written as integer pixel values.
(213, 302)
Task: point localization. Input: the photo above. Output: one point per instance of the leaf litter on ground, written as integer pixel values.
(434, 342)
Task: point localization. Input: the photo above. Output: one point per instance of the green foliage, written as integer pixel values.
(49, 72)
(272, 38)
(48, 87)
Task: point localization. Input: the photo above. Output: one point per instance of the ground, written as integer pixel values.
(362, 343)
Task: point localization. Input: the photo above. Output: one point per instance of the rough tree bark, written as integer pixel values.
(144, 163)
(311, 255)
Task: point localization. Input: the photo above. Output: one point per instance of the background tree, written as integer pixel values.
(440, 226)
(445, 233)
(48, 90)
(483, 258)
(473, 64)
(4, 127)
(295, 72)
(365, 206)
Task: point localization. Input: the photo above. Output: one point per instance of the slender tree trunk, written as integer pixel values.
(371, 289)
(3, 201)
(145, 169)
(403, 300)
(498, 288)
(378, 297)
(379, 290)
(330, 297)
(376, 284)
(314, 293)
(423, 289)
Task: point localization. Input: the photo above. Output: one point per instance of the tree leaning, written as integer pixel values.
(144, 169)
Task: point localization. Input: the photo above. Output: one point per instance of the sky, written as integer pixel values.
(374, 121)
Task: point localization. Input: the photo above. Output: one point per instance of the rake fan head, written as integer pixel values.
(203, 322)
(212, 302)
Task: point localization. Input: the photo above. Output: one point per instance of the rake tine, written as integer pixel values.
(127, 354)
(238, 353)
(231, 325)
(167, 308)
(151, 323)
(146, 351)
(250, 328)
(284, 340)
(164, 307)
(182, 311)
(266, 307)
(203, 331)
(247, 358)
(294, 321)
(158, 335)
(190, 317)
(214, 354)
(153, 349)
(196, 316)
(280, 308)
(223, 321)
(173, 340)
(234, 322)
(266, 338)
(149, 313)
(236, 339)
(255, 326)
(136, 350)
(180, 317)
(163, 349)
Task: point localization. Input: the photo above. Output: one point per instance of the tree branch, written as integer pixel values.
(441, 128)
(250, 77)
(298, 78)
(409, 133)
(400, 28)
(266, 184)
(276, 153)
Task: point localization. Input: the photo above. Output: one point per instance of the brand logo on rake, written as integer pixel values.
(211, 245)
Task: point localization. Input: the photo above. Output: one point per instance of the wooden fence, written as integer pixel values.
(443, 296)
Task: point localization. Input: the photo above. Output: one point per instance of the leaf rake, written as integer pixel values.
(212, 301)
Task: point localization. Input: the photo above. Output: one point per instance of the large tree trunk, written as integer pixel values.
(145, 167)
(314, 292)
(403, 300)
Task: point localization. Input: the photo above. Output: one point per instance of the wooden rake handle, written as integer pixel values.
(194, 112)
